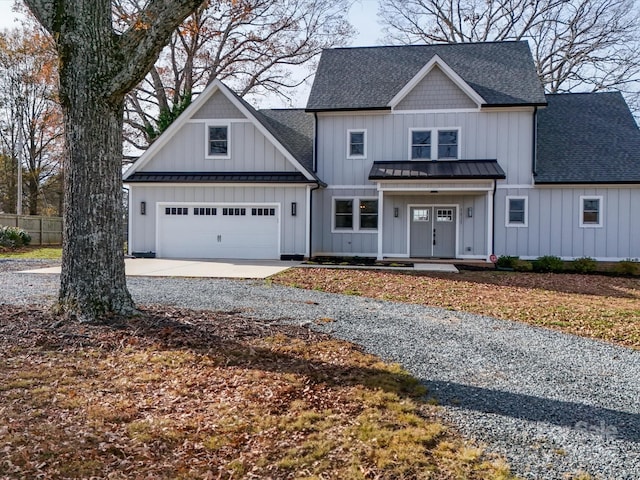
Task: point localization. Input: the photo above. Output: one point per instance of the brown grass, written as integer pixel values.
(595, 306)
(183, 394)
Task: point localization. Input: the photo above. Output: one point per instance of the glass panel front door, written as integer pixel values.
(432, 232)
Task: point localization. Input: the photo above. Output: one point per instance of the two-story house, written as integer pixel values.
(441, 151)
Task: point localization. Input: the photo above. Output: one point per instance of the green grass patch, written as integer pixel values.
(44, 253)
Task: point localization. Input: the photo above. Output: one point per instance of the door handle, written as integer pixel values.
(434, 236)
(219, 238)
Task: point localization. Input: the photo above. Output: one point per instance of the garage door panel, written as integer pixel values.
(220, 232)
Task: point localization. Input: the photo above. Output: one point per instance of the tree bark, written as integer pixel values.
(93, 282)
(97, 67)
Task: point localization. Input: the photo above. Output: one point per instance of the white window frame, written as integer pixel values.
(356, 215)
(209, 125)
(434, 142)
(507, 222)
(364, 139)
(600, 199)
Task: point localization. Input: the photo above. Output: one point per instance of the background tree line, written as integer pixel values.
(578, 45)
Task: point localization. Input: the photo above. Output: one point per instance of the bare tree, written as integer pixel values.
(251, 44)
(97, 67)
(28, 105)
(577, 44)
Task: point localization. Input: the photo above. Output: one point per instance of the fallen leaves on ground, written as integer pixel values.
(185, 394)
(595, 306)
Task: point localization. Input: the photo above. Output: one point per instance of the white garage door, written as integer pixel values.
(218, 231)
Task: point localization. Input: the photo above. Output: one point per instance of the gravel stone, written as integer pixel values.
(552, 404)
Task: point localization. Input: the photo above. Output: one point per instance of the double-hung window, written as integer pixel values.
(355, 214)
(447, 144)
(218, 145)
(516, 212)
(427, 144)
(590, 211)
(420, 144)
(356, 144)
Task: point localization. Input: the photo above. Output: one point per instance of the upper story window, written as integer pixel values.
(590, 211)
(517, 215)
(447, 144)
(420, 144)
(218, 141)
(427, 144)
(355, 214)
(357, 143)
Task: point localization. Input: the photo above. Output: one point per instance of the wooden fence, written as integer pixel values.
(43, 230)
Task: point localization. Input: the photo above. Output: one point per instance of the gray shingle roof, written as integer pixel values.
(294, 128)
(440, 170)
(587, 138)
(503, 73)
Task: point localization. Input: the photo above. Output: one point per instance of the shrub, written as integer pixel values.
(548, 263)
(584, 265)
(13, 237)
(523, 266)
(505, 261)
(627, 267)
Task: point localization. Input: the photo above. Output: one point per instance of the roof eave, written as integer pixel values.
(350, 109)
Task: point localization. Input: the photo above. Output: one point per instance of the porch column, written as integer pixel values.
(380, 221)
(489, 224)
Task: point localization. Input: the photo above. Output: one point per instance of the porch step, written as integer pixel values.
(435, 267)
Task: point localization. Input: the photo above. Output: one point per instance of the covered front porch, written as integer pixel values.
(436, 210)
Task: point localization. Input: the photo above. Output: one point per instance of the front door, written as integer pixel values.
(432, 232)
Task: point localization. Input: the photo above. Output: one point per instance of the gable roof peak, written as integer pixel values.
(501, 73)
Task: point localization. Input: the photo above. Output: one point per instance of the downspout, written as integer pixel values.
(311, 218)
(534, 149)
(315, 169)
(493, 217)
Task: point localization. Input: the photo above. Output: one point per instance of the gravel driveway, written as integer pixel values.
(550, 403)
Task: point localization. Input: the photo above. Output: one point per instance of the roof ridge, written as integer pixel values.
(417, 45)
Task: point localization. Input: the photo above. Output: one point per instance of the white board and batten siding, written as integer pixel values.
(252, 233)
(502, 135)
(554, 223)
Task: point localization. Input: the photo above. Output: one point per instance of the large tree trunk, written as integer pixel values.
(93, 283)
(33, 194)
(97, 67)
(93, 279)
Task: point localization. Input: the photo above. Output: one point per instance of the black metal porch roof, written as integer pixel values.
(437, 170)
(218, 177)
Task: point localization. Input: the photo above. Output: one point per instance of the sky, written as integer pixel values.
(362, 15)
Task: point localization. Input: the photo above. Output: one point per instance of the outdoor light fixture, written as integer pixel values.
(143, 208)
(470, 212)
(396, 212)
(294, 209)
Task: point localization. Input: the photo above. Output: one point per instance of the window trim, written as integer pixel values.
(434, 143)
(600, 199)
(364, 140)
(356, 215)
(208, 126)
(507, 222)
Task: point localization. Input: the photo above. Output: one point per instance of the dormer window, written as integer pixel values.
(218, 141)
(423, 144)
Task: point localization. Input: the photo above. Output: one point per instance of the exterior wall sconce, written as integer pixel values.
(294, 209)
(143, 208)
(396, 212)
(470, 212)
